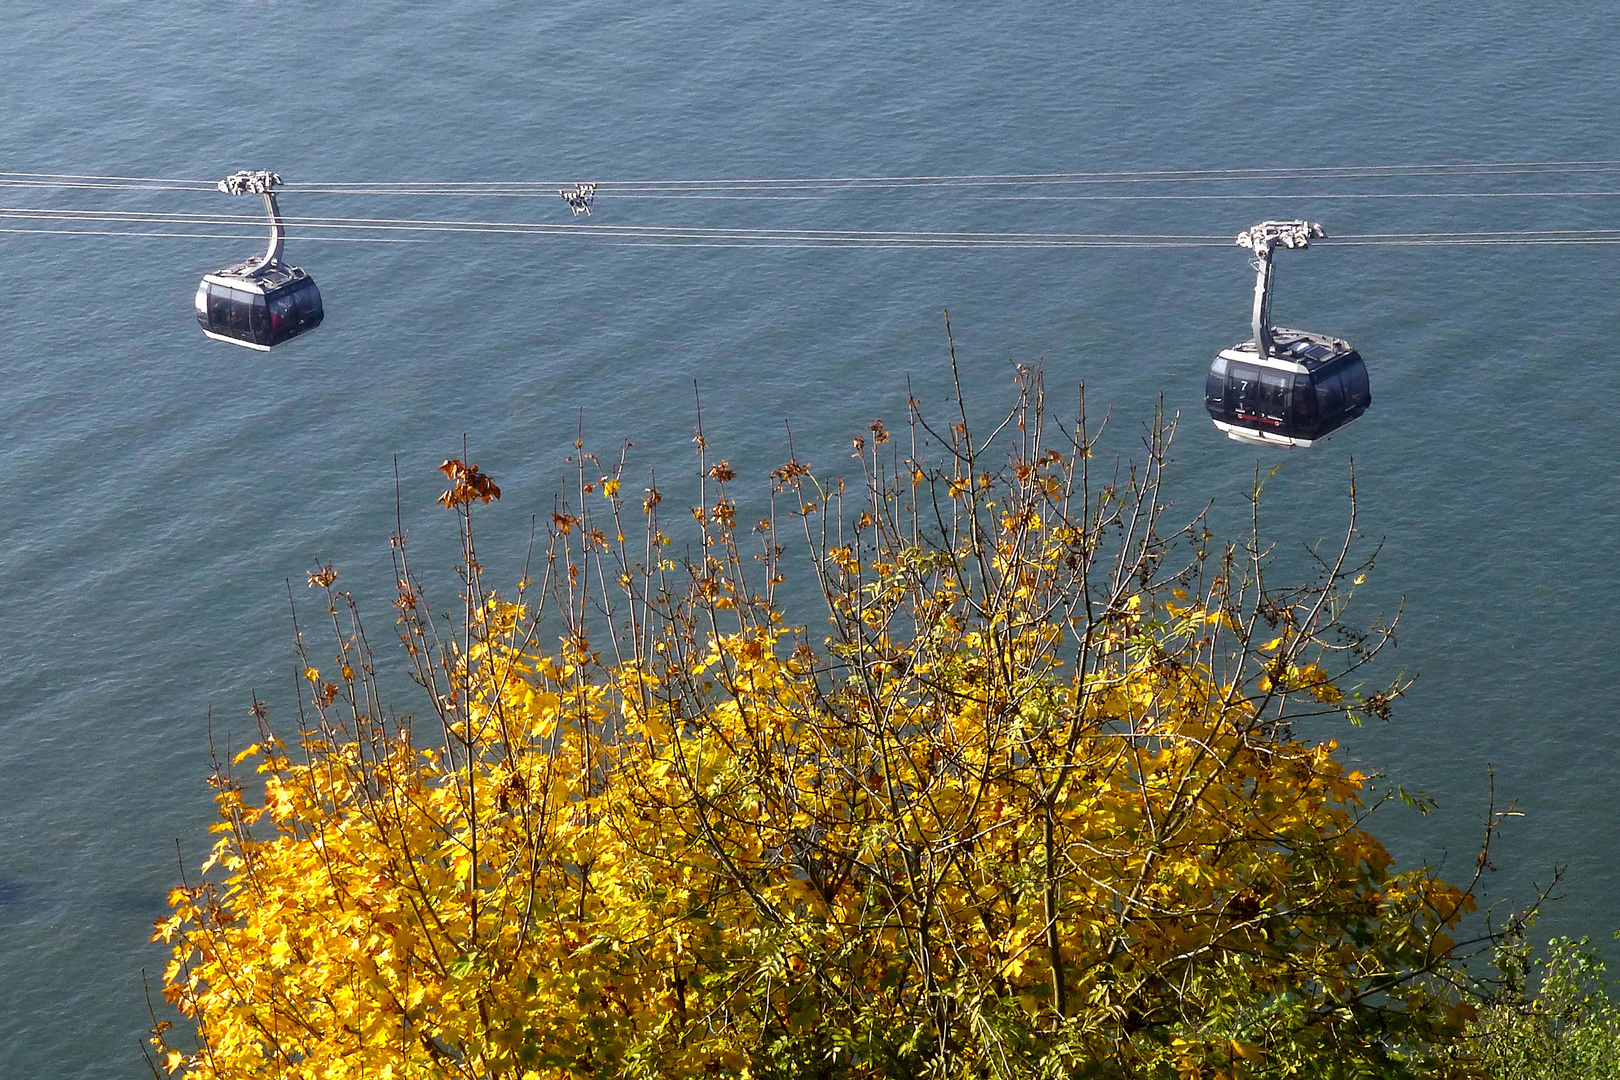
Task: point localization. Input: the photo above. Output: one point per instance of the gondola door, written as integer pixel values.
(1258, 396)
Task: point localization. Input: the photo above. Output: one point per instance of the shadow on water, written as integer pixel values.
(137, 907)
(20, 897)
(25, 898)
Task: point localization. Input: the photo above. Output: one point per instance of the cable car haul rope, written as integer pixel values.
(1284, 387)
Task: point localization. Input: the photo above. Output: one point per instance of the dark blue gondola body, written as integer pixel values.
(260, 313)
(1310, 387)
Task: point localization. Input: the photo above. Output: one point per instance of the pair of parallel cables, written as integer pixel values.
(1185, 185)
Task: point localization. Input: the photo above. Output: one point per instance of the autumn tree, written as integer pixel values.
(1040, 785)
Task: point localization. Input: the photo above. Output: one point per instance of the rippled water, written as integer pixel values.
(157, 490)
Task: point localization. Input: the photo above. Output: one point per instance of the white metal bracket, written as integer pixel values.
(579, 200)
(1263, 239)
(260, 182)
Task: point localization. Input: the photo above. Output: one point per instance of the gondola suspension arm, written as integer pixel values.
(1263, 239)
(249, 182)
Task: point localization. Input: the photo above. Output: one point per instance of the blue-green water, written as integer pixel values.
(158, 490)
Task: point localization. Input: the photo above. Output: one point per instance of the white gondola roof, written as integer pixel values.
(1284, 340)
(247, 278)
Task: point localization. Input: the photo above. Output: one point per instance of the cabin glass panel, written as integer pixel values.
(1215, 390)
(1330, 393)
(309, 304)
(241, 308)
(1302, 409)
(283, 314)
(219, 309)
(1242, 389)
(258, 319)
(1358, 394)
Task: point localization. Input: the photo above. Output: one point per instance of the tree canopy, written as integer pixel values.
(1036, 785)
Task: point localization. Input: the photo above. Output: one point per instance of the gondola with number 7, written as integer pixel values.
(1286, 387)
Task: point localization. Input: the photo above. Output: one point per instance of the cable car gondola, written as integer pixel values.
(262, 302)
(1285, 387)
